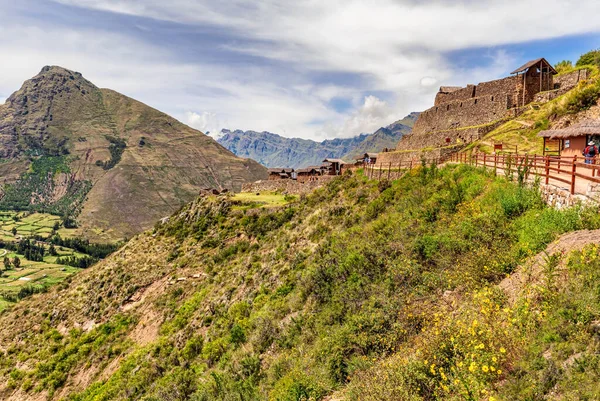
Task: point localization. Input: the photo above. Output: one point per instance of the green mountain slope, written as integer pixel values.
(361, 290)
(273, 150)
(70, 148)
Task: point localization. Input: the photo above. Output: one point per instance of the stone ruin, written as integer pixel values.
(461, 115)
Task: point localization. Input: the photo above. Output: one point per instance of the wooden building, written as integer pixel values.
(310, 173)
(371, 157)
(571, 141)
(533, 77)
(334, 166)
(281, 174)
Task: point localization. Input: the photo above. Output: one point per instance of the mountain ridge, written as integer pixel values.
(74, 149)
(273, 150)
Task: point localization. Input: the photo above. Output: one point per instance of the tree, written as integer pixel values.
(7, 264)
(563, 66)
(589, 58)
(56, 226)
(14, 230)
(16, 262)
(52, 250)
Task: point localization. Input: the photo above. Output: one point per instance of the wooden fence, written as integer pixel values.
(564, 169)
(572, 171)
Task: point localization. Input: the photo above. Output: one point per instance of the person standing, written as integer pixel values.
(590, 152)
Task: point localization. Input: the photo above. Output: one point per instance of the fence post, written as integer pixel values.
(495, 164)
(485, 160)
(547, 163)
(573, 171)
(389, 170)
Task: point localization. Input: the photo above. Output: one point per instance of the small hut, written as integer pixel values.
(371, 158)
(531, 78)
(281, 174)
(334, 166)
(572, 140)
(308, 174)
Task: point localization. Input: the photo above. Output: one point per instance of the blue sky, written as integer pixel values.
(304, 68)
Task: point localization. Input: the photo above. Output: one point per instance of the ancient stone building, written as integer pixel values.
(462, 115)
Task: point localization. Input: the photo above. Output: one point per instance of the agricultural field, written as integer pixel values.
(32, 276)
(35, 275)
(27, 225)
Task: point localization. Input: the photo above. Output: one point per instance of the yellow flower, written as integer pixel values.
(494, 359)
(472, 367)
(503, 350)
(499, 372)
(485, 368)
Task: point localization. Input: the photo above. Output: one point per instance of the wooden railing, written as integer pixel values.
(569, 170)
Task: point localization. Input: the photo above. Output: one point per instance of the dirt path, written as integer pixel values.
(4, 254)
(532, 271)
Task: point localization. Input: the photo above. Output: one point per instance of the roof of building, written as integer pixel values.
(534, 63)
(449, 89)
(340, 161)
(275, 170)
(288, 170)
(306, 170)
(372, 155)
(587, 127)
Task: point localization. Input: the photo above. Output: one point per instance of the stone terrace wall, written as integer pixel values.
(568, 81)
(504, 86)
(291, 187)
(461, 94)
(471, 112)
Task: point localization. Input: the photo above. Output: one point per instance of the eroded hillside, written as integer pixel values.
(364, 290)
(116, 164)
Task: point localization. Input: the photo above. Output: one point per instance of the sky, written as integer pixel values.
(316, 69)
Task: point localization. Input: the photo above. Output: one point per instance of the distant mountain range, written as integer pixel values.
(273, 150)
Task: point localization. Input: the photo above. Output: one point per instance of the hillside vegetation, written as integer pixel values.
(362, 290)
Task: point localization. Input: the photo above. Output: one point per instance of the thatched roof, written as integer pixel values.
(588, 127)
(534, 63)
(372, 155)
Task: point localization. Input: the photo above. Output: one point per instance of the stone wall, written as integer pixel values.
(561, 198)
(568, 81)
(287, 186)
(562, 84)
(460, 94)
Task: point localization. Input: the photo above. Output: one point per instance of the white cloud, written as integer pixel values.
(391, 45)
(372, 115)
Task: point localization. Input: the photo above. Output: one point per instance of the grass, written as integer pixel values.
(262, 199)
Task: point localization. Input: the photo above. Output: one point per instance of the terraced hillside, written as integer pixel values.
(114, 164)
(362, 290)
